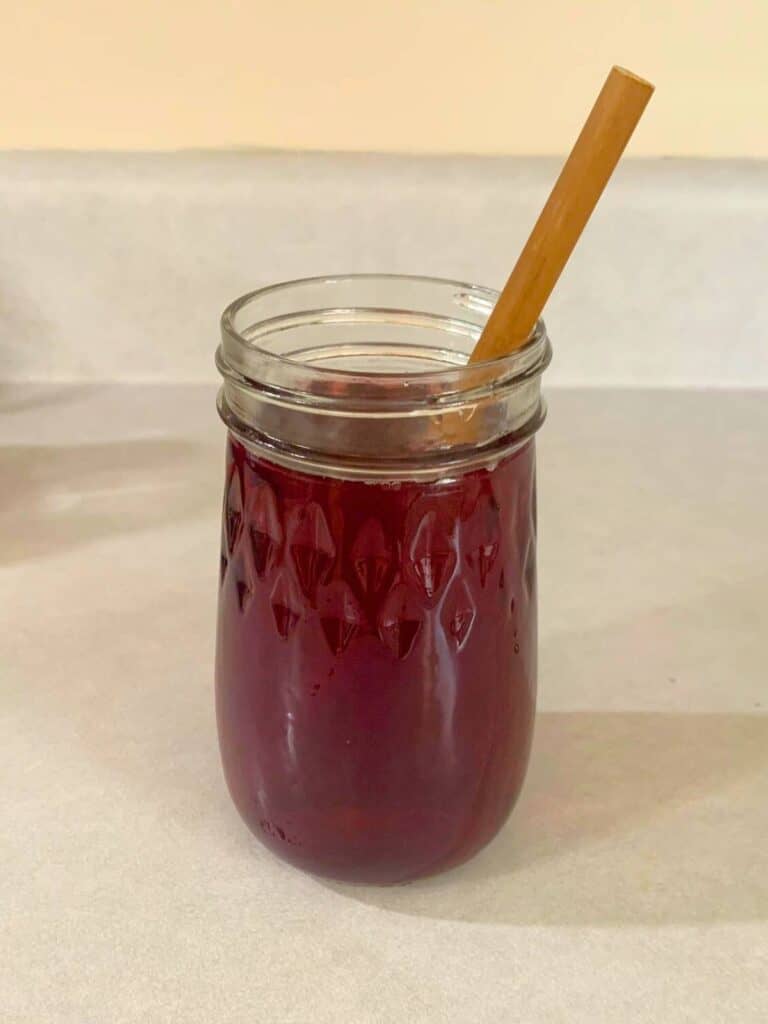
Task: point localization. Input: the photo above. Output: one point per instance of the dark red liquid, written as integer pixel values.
(376, 663)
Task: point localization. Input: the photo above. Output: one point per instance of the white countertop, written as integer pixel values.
(631, 883)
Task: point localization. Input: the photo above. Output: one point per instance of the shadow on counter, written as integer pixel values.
(629, 818)
(56, 498)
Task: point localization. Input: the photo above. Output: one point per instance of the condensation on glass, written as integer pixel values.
(376, 652)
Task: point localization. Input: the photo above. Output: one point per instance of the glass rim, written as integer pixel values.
(402, 399)
(498, 371)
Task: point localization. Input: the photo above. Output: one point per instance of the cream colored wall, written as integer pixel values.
(435, 75)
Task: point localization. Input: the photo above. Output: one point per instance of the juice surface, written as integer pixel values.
(376, 662)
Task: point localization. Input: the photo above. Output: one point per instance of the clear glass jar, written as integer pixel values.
(376, 652)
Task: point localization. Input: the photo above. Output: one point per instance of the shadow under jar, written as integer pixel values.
(376, 652)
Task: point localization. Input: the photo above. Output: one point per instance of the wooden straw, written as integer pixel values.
(585, 174)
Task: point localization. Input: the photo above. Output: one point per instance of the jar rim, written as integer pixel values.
(369, 374)
(239, 355)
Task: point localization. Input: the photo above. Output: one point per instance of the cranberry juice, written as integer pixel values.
(376, 662)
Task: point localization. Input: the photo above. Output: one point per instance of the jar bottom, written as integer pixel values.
(360, 846)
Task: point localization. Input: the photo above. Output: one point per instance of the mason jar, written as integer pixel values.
(376, 650)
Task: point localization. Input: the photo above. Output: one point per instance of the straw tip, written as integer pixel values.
(626, 73)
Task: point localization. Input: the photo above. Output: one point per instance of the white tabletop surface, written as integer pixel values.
(631, 883)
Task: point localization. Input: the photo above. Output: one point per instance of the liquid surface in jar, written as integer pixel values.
(376, 662)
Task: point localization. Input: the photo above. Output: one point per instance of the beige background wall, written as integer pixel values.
(431, 75)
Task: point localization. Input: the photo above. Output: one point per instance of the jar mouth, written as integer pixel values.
(339, 340)
(368, 375)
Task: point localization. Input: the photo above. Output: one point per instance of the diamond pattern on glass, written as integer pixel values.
(264, 528)
(371, 557)
(482, 537)
(340, 615)
(233, 510)
(458, 613)
(311, 546)
(286, 605)
(244, 595)
(529, 570)
(432, 556)
(400, 621)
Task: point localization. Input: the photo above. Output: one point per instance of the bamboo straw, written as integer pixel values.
(585, 174)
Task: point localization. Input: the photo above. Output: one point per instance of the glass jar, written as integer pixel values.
(376, 652)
